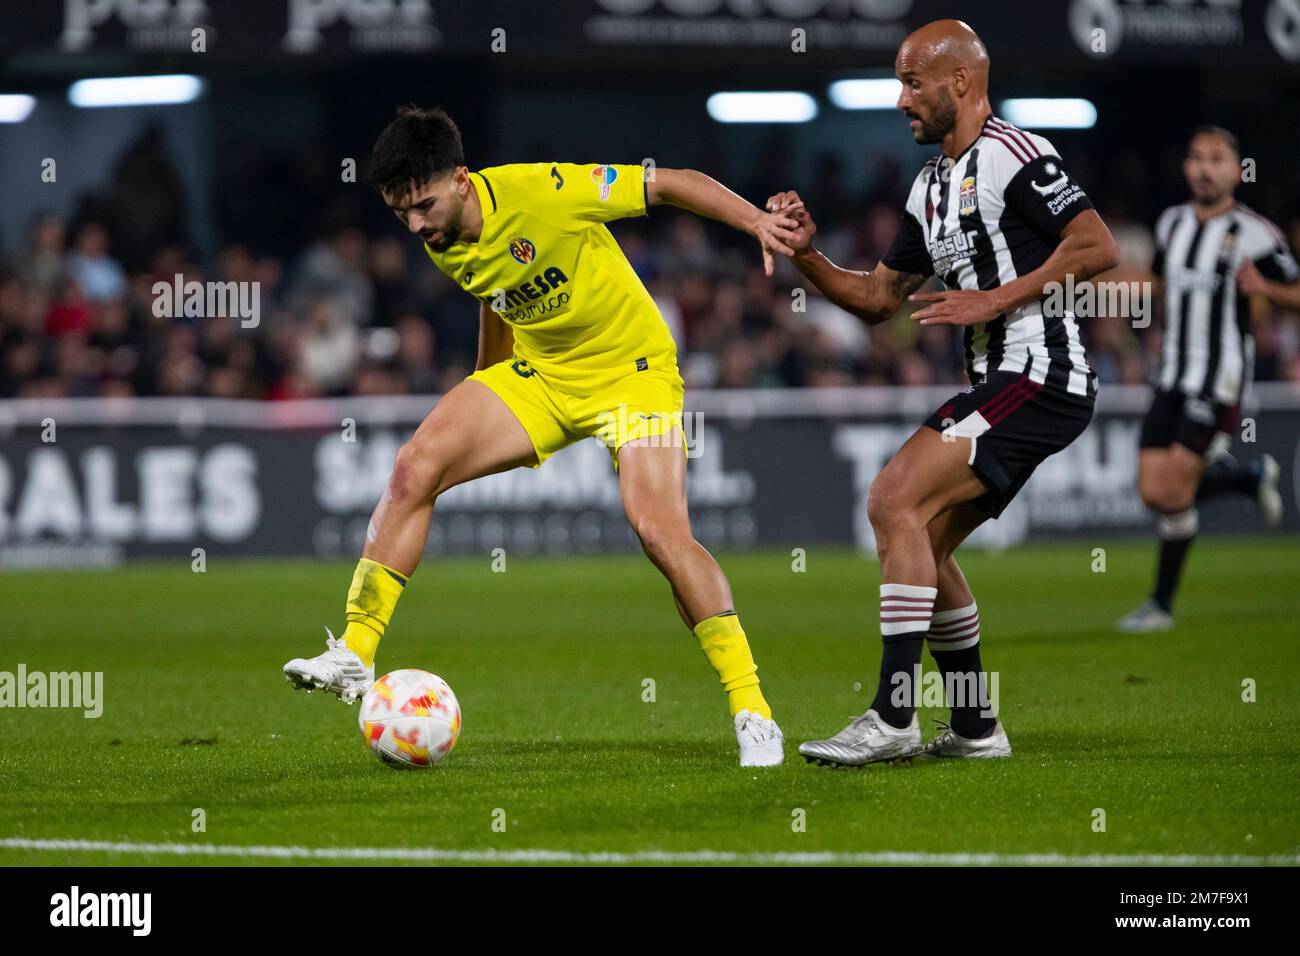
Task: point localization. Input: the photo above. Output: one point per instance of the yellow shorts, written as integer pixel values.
(644, 404)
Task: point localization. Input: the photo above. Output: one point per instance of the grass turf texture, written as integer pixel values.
(548, 661)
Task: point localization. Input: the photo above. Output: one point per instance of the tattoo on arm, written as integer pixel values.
(902, 284)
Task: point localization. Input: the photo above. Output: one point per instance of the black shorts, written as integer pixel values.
(1014, 423)
(1187, 420)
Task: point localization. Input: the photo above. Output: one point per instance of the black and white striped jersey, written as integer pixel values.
(1208, 350)
(985, 218)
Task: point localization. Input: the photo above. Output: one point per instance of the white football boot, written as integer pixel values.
(1149, 617)
(760, 740)
(338, 671)
(1268, 497)
(867, 740)
(951, 744)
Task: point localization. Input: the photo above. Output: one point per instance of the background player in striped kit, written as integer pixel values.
(1206, 359)
(997, 218)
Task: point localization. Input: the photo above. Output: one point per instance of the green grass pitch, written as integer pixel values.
(548, 660)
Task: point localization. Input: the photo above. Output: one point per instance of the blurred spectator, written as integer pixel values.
(98, 274)
(346, 310)
(336, 269)
(328, 348)
(42, 262)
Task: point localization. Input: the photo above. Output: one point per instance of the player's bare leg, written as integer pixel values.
(469, 433)
(1167, 481)
(652, 480)
(928, 478)
(1171, 482)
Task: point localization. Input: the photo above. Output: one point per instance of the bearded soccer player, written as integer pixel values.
(570, 346)
(997, 218)
(1206, 360)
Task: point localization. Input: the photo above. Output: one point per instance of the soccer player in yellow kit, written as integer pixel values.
(571, 346)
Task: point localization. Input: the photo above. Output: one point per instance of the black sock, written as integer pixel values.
(969, 719)
(901, 655)
(1177, 532)
(1225, 475)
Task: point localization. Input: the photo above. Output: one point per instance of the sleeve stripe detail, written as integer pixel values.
(1273, 230)
(1011, 146)
(1016, 133)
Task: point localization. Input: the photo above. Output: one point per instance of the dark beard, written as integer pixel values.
(941, 123)
(449, 237)
(1203, 200)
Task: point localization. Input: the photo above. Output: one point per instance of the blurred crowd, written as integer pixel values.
(349, 304)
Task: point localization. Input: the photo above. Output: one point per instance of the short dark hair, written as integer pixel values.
(1209, 129)
(414, 148)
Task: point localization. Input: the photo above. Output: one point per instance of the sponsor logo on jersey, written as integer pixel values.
(533, 298)
(1058, 192)
(1182, 279)
(950, 251)
(969, 199)
(604, 177)
(523, 250)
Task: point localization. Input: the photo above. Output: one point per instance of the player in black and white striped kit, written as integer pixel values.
(998, 219)
(1206, 359)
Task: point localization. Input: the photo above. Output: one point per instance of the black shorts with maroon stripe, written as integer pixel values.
(1014, 423)
(1187, 420)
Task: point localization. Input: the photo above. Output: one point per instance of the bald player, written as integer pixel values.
(996, 217)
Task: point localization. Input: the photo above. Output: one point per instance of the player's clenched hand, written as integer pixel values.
(789, 203)
(774, 232)
(1249, 279)
(956, 307)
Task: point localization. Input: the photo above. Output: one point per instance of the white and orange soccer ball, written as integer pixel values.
(410, 718)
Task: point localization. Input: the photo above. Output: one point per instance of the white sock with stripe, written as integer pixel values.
(954, 630)
(905, 610)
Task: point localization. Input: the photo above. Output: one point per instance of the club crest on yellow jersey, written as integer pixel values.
(523, 250)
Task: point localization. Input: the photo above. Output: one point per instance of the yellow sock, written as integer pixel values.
(371, 599)
(723, 641)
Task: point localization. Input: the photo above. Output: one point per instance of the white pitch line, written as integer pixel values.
(432, 855)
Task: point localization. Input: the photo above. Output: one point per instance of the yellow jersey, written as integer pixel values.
(546, 263)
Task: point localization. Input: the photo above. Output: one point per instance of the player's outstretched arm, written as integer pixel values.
(1086, 248)
(872, 296)
(1284, 295)
(496, 340)
(704, 196)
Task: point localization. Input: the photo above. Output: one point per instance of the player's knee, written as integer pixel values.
(659, 536)
(418, 473)
(1167, 499)
(1164, 494)
(887, 510)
